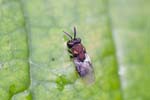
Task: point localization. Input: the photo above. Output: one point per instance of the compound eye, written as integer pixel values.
(69, 44)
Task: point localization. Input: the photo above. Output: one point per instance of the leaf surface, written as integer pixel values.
(35, 65)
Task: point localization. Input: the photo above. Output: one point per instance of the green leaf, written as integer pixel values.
(131, 26)
(35, 65)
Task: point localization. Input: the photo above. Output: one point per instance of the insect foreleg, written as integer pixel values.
(69, 51)
(71, 56)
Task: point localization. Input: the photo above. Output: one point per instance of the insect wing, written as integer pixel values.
(85, 69)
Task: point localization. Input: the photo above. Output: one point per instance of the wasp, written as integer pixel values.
(80, 58)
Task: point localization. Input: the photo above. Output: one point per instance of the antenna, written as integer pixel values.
(75, 32)
(68, 34)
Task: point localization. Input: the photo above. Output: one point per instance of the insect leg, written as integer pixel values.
(71, 56)
(69, 51)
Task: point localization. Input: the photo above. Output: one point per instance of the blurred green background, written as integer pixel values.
(35, 65)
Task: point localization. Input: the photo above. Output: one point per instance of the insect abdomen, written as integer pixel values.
(85, 69)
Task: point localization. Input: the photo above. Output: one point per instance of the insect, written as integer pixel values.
(80, 58)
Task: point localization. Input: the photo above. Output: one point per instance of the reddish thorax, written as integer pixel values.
(78, 51)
